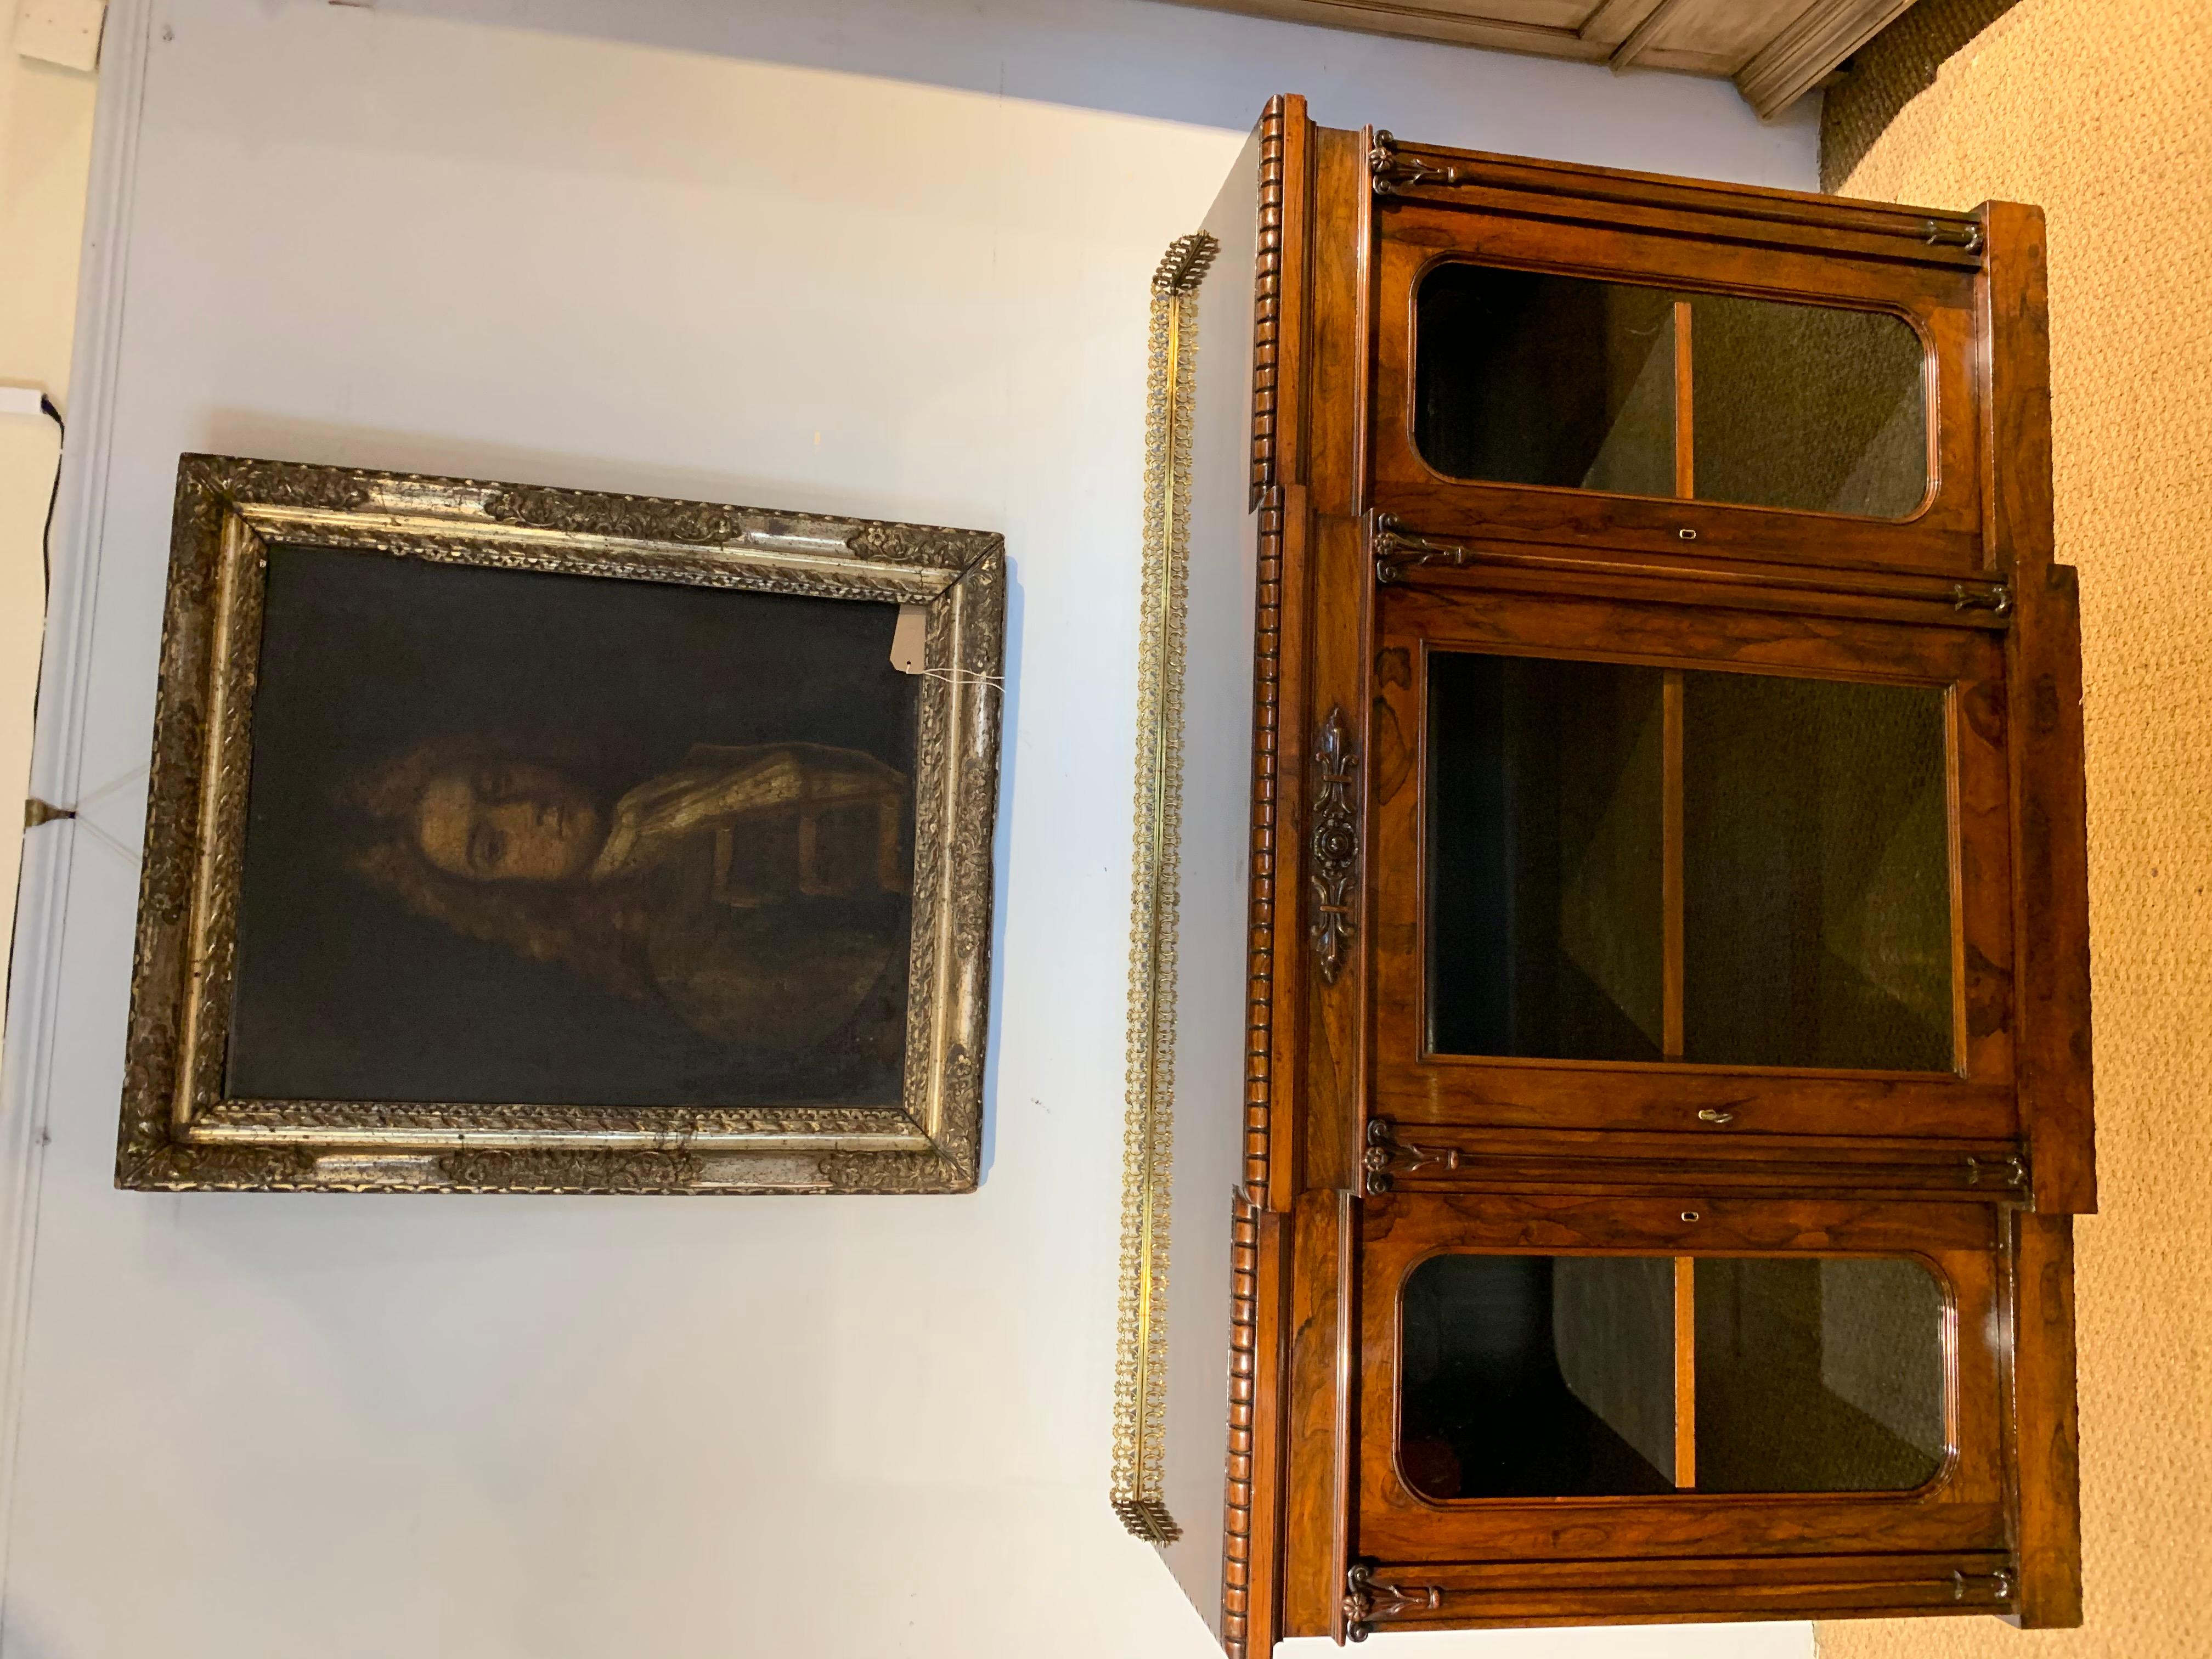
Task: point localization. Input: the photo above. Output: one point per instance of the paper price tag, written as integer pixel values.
(910, 638)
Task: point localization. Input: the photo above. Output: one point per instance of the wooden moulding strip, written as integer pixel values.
(1715, 211)
(2047, 1434)
(1685, 406)
(1685, 1371)
(2043, 678)
(1670, 742)
(1236, 1564)
(1671, 864)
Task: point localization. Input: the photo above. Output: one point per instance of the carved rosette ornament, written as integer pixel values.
(1335, 844)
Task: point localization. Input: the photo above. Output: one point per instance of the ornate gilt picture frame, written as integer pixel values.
(512, 839)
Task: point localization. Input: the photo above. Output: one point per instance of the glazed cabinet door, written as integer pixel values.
(1610, 364)
(1658, 869)
(1575, 1407)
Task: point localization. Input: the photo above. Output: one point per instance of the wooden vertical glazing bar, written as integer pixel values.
(1956, 782)
(1670, 876)
(1670, 786)
(1685, 1371)
(1686, 454)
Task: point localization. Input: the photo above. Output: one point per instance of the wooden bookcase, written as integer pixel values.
(1667, 1085)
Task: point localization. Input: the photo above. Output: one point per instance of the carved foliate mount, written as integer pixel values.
(1389, 169)
(1997, 600)
(1939, 234)
(1335, 844)
(2010, 1172)
(1399, 549)
(1997, 1586)
(1366, 1601)
(1389, 1156)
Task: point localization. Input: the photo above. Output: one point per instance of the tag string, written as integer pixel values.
(957, 676)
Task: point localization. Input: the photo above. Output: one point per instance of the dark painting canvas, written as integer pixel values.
(523, 838)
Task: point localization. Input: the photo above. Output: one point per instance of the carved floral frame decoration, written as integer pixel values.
(178, 1128)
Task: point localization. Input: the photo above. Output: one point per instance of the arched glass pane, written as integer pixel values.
(1527, 377)
(1807, 406)
(1538, 1376)
(1819, 1374)
(1529, 1375)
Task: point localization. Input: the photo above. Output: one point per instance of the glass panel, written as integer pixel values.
(1545, 920)
(1817, 1374)
(1525, 378)
(1538, 1376)
(1804, 406)
(1816, 874)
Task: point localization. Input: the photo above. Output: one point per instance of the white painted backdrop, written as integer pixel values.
(874, 256)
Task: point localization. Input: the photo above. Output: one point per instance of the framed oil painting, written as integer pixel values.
(512, 839)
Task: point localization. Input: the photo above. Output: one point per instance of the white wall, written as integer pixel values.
(45, 145)
(873, 258)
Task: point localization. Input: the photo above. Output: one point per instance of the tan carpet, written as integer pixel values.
(2101, 111)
